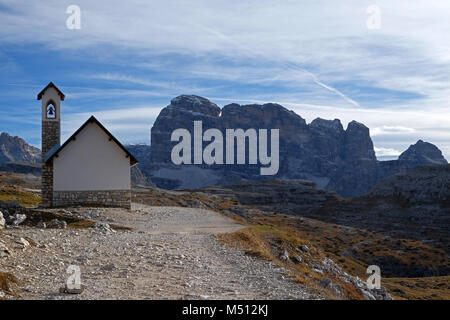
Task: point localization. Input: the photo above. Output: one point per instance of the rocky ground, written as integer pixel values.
(170, 253)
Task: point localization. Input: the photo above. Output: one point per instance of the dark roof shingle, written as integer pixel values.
(51, 84)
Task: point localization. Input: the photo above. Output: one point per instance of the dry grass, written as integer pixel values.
(354, 249)
(119, 227)
(9, 283)
(82, 224)
(251, 240)
(428, 288)
(350, 248)
(17, 194)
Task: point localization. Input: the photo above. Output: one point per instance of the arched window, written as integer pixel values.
(51, 111)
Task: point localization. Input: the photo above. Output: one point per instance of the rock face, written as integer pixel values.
(15, 149)
(139, 178)
(142, 154)
(181, 113)
(140, 151)
(422, 153)
(338, 159)
(287, 196)
(422, 185)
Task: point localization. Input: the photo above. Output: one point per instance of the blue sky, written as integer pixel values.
(318, 58)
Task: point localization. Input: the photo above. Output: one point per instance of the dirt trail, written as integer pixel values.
(159, 220)
(172, 253)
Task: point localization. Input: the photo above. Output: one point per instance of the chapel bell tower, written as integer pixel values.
(51, 98)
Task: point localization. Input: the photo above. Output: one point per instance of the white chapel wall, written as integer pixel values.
(91, 162)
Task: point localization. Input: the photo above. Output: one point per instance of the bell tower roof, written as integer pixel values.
(51, 84)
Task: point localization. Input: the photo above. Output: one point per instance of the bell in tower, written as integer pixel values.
(51, 98)
(50, 111)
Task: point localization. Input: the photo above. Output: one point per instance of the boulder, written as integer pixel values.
(41, 225)
(57, 224)
(22, 242)
(103, 227)
(4, 250)
(2, 221)
(91, 214)
(326, 283)
(16, 219)
(285, 255)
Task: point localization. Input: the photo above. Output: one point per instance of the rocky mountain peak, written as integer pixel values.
(356, 126)
(195, 103)
(269, 115)
(4, 136)
(327, 124)
(15, 149)
(359, 145)
(422, 153)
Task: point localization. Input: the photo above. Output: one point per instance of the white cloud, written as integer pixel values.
(386, 152)
(319, 50)
(390, 130)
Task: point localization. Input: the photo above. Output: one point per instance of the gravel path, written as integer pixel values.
(172, 253)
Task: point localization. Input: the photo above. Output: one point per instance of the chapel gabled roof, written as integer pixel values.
(51, 84)
(57, 149)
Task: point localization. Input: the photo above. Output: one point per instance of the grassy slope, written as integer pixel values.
(336, 243)
(15, 187)
(17, 194)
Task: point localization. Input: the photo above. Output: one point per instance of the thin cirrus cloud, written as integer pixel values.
(128, 124)
(315, 57)
(169, 87)
(391, 130)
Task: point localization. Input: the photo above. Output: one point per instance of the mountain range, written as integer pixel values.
(323, 152)
(334, 158)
